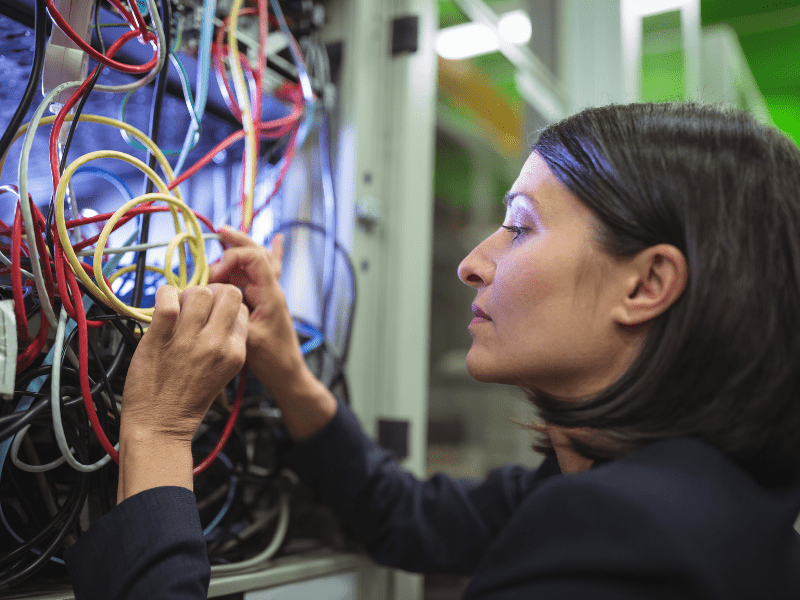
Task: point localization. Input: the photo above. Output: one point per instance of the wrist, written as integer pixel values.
(149, 459)
(306, 405)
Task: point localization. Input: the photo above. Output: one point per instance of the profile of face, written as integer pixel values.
(553, 311)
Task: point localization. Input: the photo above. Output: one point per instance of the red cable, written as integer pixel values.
(66, 278)
(129, 18)
(83, 374)
(16, 278)
(221, 47)
(26, 358)
(235, 136)
(137, 15)
(79, 41)
(219, 53)
(226, 433)
(76, 95)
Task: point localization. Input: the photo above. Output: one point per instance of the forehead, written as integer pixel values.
(553, 200)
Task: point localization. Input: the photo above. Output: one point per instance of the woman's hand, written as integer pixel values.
(273, 350)
(192, 349)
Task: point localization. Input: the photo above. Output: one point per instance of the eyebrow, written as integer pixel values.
(509, 197)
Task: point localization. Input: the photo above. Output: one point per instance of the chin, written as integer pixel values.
(482, 371)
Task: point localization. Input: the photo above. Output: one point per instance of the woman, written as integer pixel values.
(644, 288)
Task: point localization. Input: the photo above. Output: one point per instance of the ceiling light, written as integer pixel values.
(473, 39)
(466, 40)
(515, 27)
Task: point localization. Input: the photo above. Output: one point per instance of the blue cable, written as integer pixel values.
(234, 480)
(203, 73)
(331, 231)
(114, 179)
(307, 330)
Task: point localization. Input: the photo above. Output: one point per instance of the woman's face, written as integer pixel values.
(545, 295)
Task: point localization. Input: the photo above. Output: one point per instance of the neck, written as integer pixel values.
(568, 459)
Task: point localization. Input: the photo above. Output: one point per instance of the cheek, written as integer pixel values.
(520, 288)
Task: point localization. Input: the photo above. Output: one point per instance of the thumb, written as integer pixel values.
(165, 314)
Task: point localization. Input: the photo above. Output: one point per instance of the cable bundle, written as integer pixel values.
(59, 429)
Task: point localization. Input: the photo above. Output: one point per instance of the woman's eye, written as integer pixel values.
(519, 231)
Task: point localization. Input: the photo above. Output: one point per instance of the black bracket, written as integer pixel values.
(405, 35)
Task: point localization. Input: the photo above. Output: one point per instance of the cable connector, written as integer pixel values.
(63, 60)
(8, 343)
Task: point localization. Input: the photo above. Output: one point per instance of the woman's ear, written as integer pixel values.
(657, 279)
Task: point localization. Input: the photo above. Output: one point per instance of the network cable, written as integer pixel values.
(74, 392)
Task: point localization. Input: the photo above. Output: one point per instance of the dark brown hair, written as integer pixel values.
(722, 363)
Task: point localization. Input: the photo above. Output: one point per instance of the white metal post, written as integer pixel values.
(385, 171)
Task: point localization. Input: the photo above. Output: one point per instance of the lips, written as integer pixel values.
(479, 313)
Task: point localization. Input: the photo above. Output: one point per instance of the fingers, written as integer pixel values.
(196, 303)
(246, 262)
(165, 314)
(241, 267)
(225, 311)
(236, 238)
(276, 247)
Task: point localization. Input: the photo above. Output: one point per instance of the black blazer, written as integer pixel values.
(675, 520)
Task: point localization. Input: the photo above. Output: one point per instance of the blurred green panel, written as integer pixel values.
(774, 57)
(499, 70)
(663, 77)
(452, 183)
(450, 14)
(720, 11)
(769, 33)
(785, 111)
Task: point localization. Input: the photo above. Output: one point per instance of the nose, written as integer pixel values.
(477, 269)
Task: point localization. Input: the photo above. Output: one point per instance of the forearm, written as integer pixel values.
(305, 403)
(148, 460)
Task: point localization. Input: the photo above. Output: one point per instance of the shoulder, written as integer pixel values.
(677, 513)
(684, 491)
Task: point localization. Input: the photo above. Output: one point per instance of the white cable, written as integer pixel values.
(141, 247)
(270, 550)
(55, 404)
(14, 453)
(58, 426)
(23, 466)
(7, 262)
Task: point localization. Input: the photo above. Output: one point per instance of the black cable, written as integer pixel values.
(155, 125)
(105, 380)
(13, 422)
(48, 529)
(65, 524)
(40, 29)
(26, 501)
